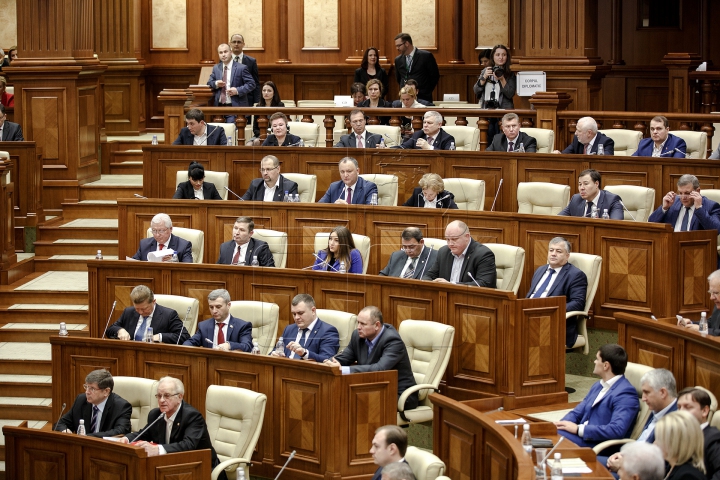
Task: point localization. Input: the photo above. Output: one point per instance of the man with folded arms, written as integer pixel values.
(222, 331)
(512, 138)
(309, 338)
(272, 186)
(242, 248)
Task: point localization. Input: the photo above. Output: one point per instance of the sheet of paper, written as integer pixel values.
(158, 256)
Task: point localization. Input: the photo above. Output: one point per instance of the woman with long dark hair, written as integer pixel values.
(196, 187)
(340, 250)
(270, 98)
(370, 68)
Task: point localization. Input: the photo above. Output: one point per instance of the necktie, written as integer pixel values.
(236, 258)
(410, 270)
(684, 224)
(221, 335)
(585, 149)
(168, 430)
(359, 141)
(588, 210)
(223, 97)
(538, 293)
(348, 199)
(162, 245)
(237, 58)
(408, 62)
(511, 147)
(303, 337)
(93, 420)
(430, 141)
(141, 331)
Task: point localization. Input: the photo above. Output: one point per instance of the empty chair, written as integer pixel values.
(425, 465)
(387, 187)
(389, 133)
(509, 263)
(230, 132)
(187, 309)
(541, 198)
(545, 138)
(264, 317)
(714, 195)
(466, 138)
(451, 120)
(591, 266)
(362, 243)
(196, 237)
(234, 418)
(277, 242)
(307, 186)
(469, 193)
(639, 200)
(345, 323)
(139, 392)
(309, 132)
(696, 142)
(626, 141)
(219, 179)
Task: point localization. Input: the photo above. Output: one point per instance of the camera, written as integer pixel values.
(498, 71)
(492, 103)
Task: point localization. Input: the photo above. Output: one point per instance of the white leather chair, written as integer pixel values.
(541, 198)
(509, 263)
(545, 138)
(230, 131)
(196, 237)
(714, 195)
(4, 155)
(181, 305)
(320, 119)
(362, 243)
(591, 265)
(309, 132)
(429, 345)
(469, 193)
(264, 317)
(345, 323)
(466, 138)
(139, 392)
(307, 186)
(277, 242)
(10, 90)
(386, 131)
(713, 402)
(387, 186)
(639, 200)
(435, 243)
(219, 179)
(425, 465)
(234, 418)
(288, 103)
(626, 141)
(452, 120)
(696, 142)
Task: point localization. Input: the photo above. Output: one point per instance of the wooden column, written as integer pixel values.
(547, 104)
(457, 33)
(679, 66)
(8, 256)
(173, 102)
(282, 31)
(616, 33)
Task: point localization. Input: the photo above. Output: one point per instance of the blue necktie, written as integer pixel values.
(545, 284)
(303, 337)
(684, 224)
(141, 331)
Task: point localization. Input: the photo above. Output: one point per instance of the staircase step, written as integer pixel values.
(45, 313)
(26, 367)
(90, 209)
(66, 262)
(30, 385)
(39, 332)
(112, 187)
(80, 228)
(128, 167)
(61, 287)
(26, 408)
(72, 249)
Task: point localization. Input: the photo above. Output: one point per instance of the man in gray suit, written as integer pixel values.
(366, 139)
(413, 257)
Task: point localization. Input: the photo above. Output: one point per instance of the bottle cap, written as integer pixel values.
(557, 456)
(526, 426)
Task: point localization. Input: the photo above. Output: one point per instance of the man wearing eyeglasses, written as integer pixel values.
(9, 131)
(360, 138)
(714, 320)
(272, 186)
(412, 259)
(162, 238)
(105, 413)
(181, 429)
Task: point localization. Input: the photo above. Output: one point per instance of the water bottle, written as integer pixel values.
(99, 255)
(342, 268)
(382, 142)
(601, 149)
(148, 335)
(703, 327)
(521, 149)
(452, 145)
(229, 140)
(255, 262)
(240, 473)
(63, 330)
(286, 198)
(280, 347)
(175, 258)
(593, 212)
(81, 428)
(526, 439)
(556, 469)
(373, 199)
(605, 215)
(154, 140)
(297, 198)
(255, 350)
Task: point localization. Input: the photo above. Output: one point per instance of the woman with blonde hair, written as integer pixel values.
(340, 250)
(681, 440)
(431, 194)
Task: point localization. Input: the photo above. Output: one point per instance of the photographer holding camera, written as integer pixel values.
(497, 83)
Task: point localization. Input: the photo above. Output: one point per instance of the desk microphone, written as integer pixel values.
(496, 195)
(139, 196)
(147, 427)
(631, 215)
(292, 455)
(109, 317)
(473, 279)
(500, 409)
(324, 261)
(427, 260)
(61, 412)
(238, 196)
(183, 326)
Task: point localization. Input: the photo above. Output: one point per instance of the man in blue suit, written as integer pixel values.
(661, 143)
(560, 278)
(587, 138)
(609, 410)
(591, 196)
(231, 82)
(161, 228)
(222, 331)
(309, 338)
(351, 189)
(688, 210)
(237, 43)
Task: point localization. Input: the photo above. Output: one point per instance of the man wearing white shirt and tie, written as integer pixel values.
(432, 136)
(360, 138)
(237, 43)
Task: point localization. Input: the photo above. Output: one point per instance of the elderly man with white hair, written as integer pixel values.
(587, 138)
(431, 137)
(161, 228)
(642, 461)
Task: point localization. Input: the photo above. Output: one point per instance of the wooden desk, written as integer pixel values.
(328, 418)
(491, 326)
(692, 358)
(642, 262)
(27, 174)
(32, 453)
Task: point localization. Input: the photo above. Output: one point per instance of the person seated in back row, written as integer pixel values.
(360, 138)
(351, 189)
(512, 138)
(196, 188)
(162, 237)
(587, 139)
(281, 136)
(661, 143)
(197, 132)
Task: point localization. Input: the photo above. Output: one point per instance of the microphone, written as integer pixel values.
(292, 455)
(443, 198)
(496, 195)
(238, 196)
(61, 412)
(298, 143)
(109, 317)
(500, 409)
(631, 215)
(183, 326)
(473, 279)
(147, 427)
(681, 152)
(139, 196)
(324, 261)
(427, 260)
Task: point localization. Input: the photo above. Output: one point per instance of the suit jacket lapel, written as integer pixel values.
(231, 329)
(106, 414)
(175, 432)
(249, 250)
(559, 280)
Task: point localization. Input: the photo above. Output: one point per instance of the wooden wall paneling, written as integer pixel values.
(299, 400)
(159, 77)
(693, 252)
(326, 170)
(346, 296)
(477, 346)
(701, 367)
(199, 286)
(242, 172)
(408, 171)
(27, 171)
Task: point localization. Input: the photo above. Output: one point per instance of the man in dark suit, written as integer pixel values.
(351, 189)
(376, 346)
(714, 320)
(9, 131)
(388, 447)
(237, 43)
(661, 143)
(167, 326)
(242, 248)
(272, 186)
(222, 331)
(696, 402)
(161, 228)
(559, 278)
(581, 204)
(309, 338)
(587, 138)
(197, 132)
(432, 136)
(687, 210)
(417, 64)
(105, 413)
(360, 138)
(231, 82)
(412, 259)
(512, 138)
(463, 260)
(182, 429)
(609, 409)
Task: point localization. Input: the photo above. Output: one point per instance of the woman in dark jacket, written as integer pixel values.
(370, 68)
(431, 194)
(196, 187)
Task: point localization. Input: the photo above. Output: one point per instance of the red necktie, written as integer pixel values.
(221, 335)
(162, 245)
(223, 98)
(236, 258)
(348, 199)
